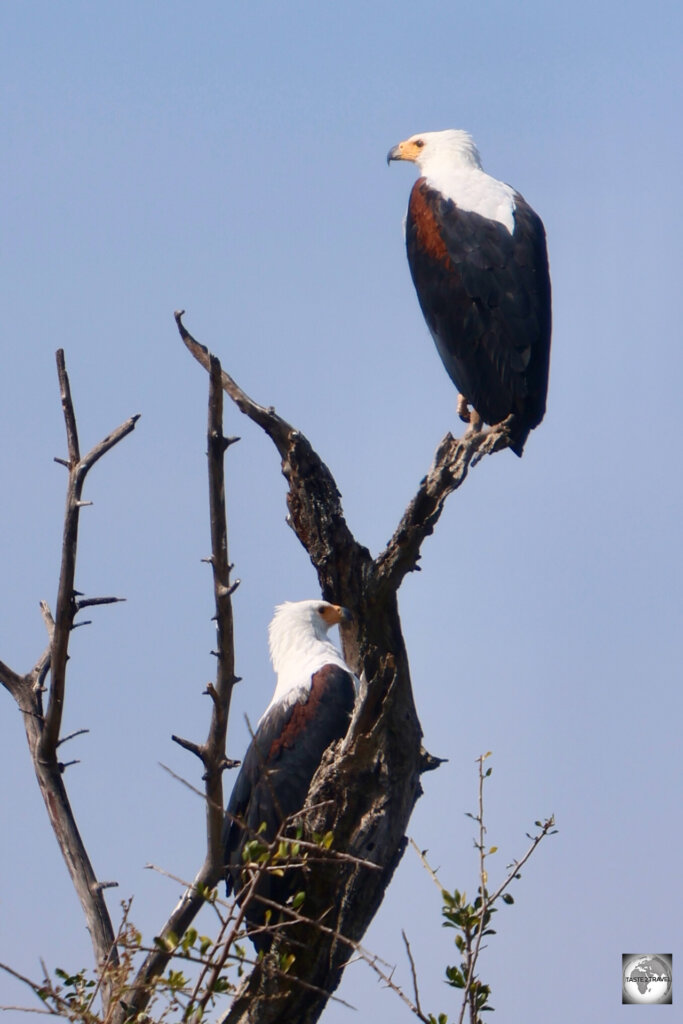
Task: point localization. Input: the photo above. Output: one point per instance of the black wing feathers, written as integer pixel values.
(485, 294)
(282, 759)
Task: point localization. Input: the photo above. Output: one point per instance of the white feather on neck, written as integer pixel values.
(451, 164)
(299, 646)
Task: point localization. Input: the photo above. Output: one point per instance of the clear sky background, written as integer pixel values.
(230, 159)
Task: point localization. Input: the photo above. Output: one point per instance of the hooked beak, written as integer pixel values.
(394, 154)
(335, 614)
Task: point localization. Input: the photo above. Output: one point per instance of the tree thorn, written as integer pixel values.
(212, 692)
(62, 462)
(62, 766)
(428, 762)
(193, 748)
(72, 736)
(223, 591)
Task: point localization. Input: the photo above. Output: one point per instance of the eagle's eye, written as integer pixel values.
(321, 609)
(419, 143)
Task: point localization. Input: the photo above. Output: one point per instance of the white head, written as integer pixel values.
(299, 644)
(452, 148)
(450, 163)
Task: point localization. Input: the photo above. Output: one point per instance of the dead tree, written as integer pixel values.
(365, 789)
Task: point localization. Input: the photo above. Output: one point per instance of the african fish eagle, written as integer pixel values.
(311, 707)
(478, 259)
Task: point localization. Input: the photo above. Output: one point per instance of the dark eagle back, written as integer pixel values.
(485, 295)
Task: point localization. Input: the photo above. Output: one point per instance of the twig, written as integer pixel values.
(87, 602)
(414, 976)
(72, 736)
(66, 603)
(547, 828)
(473, 954)
(425, 863)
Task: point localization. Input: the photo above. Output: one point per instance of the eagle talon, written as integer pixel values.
(475, 421)
(463, 410)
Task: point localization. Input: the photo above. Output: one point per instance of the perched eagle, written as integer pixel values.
(479, 263)
(311, 707)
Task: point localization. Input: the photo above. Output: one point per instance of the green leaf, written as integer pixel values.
(455, 977)
(507, 898)
(286, 961)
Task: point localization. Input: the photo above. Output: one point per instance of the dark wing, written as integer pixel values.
(282, 759)
(485, 295)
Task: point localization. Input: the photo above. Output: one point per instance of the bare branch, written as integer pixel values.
(314, 502)
(68, 409)
(88, 602)
(413, 973)
(448, 471)
(213, 752)
(72, 736)
(67, 606)
(9, 678)
(276, 428)
(189, 745)
(221, 692)
(43, 731)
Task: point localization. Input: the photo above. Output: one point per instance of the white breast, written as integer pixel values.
(473, 190)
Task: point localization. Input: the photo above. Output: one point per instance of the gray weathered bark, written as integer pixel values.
(365, 790)
(43, 726)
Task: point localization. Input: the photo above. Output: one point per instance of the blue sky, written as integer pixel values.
(230, 160)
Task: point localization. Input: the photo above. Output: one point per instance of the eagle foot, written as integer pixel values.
(476, 423)
(463, 410)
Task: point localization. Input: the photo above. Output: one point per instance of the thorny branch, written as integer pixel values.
(212, 752)
(43, 729)
(364, 791)
(67, 606)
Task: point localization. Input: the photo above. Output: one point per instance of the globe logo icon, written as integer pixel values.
(646, 978)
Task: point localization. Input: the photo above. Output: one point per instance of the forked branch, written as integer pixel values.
(365, 790)
(66, 604)
(43, 730)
